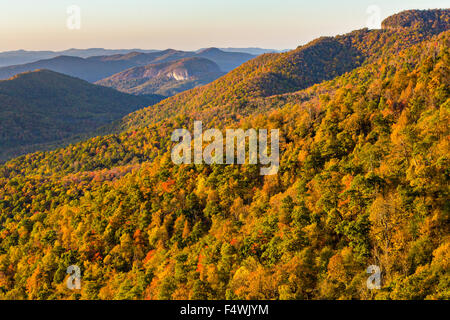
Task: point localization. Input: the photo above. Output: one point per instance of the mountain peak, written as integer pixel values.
(436, 20)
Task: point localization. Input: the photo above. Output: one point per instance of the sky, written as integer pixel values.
(186, 24)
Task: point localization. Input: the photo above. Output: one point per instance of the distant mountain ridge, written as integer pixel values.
(9, 58)
(254, 50)
(167, 78)
(424, 20)
(226, 61)
(280, 73)
(96, 68)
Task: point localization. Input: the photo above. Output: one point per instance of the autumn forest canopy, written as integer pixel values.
(363, 178)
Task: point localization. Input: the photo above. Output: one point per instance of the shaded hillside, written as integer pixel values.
(166, 78)
(45, 107)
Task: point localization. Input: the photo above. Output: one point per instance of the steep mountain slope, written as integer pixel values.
(45, 107)
(363, 180)
(271, 74)
(166, 78)
(86, 69)
(95, 68)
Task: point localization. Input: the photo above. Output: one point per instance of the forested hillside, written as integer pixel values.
(44, 107)
(9, 58)
(363, 180)
(234, 95)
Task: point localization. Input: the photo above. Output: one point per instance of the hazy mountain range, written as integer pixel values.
(166, 78)
(44, 107)
(9, 58)
(99, 67)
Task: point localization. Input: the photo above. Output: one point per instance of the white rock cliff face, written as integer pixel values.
(179, 75)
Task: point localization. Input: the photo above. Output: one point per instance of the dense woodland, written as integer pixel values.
(364, 179)
(44, 107)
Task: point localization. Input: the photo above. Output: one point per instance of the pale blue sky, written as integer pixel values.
(186, 24)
